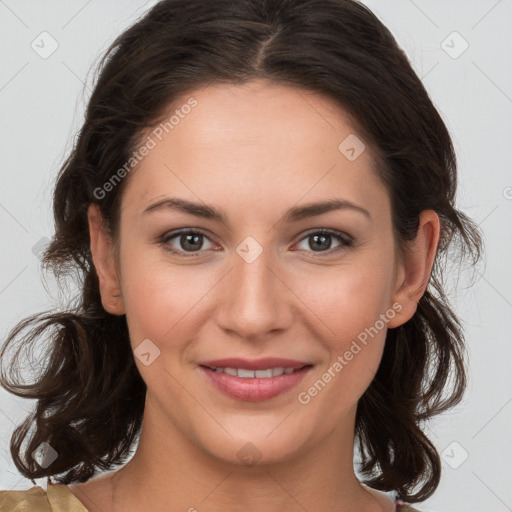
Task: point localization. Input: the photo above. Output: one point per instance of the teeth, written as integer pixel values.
(251, 374)
(263, 373)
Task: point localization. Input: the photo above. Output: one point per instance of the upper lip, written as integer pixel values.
(254, 364)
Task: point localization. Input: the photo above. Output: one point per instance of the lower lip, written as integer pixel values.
(254, 390)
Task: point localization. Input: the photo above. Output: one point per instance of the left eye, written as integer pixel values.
(321, 240)
(191, 241)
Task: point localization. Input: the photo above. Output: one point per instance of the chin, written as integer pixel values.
(255, 450)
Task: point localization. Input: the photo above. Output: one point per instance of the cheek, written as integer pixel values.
(352, 306)
(350, 298)
(164, 301)
(155, 300)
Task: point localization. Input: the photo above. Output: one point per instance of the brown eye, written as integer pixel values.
(320, 241)
(184, 241)
(191, 241)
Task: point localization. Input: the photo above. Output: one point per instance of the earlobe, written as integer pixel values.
(103, 256)
(414, 270)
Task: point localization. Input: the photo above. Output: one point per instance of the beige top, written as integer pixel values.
(58, 498)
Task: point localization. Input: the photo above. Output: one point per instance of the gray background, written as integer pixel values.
(41, 107)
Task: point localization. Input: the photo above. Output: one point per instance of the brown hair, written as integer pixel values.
(90, 396)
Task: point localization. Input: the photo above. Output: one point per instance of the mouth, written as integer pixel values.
(256, 380)
(243, 373)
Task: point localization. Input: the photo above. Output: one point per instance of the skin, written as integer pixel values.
(253, 151)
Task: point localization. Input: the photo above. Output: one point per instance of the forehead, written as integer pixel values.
(255, 141)
(247, 114)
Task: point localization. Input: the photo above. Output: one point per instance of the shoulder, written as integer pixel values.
(34, 499)
(403, 507)
(57, 497)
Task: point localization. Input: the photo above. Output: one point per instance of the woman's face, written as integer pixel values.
(263, 282)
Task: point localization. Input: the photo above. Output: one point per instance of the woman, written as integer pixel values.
(223, 145)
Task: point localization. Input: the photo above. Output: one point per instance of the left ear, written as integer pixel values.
(415, 267)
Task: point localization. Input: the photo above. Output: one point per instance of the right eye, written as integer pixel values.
(189, 241)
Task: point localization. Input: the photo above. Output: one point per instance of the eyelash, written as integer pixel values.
(346, 241)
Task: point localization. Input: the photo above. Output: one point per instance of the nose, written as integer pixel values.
(255, 299)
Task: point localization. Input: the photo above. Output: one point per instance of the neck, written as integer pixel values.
(172, 471)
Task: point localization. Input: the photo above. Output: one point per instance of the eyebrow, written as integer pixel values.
(294, 214)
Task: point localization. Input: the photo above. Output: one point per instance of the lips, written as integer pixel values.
(255, 364)
(254, 380)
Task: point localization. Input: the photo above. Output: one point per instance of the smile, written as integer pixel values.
(254, 380)
(254, 374)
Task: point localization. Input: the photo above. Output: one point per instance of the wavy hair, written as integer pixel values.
(90, 395)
